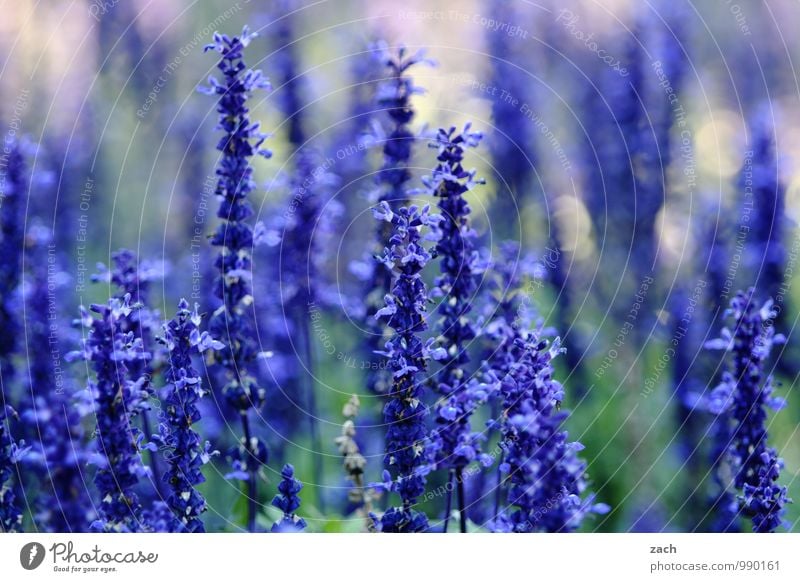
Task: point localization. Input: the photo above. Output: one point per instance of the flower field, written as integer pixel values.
(488, 266)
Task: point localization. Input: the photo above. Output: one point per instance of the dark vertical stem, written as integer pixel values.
(462, 505)
(311, 404)
(449, 503)
(253, 471)
(497, 487)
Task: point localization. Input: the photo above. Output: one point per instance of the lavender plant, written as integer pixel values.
(288, 502)
(405, 411)
(741, 401)
(10, 455)
(185, 451)
(394, 97)
(119, 464)
(455, 445)
(57, 454)
(13, 190)
(540, 471)
(766, 252)
(546, 478)
(233, 320)
(507, 316)
(132, 278)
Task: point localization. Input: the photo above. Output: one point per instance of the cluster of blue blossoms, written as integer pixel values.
(233, 322)
(186, 452)
(741, 402)
(408, 355)
(120, 467)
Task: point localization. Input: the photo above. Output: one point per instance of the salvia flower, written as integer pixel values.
(51, 415)
(765, 501)
(506, 317)
(234, 236)
(132, 278)
(288, 501)
(129, 275)
(624, 178)
(507, 313)
(404, 413)
(186, 453)
(159, 518)
(766, 252)
(394, 97)
(10, 454)
(637, 173)
(673, 60)
(240, 142)
(545, 477)
(247, 458)
(461, 267)
(233, 322)
(120, 466)
(13, 190)
(527, 398)
(741, 402)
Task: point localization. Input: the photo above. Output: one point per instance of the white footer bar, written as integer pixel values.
(406, 558)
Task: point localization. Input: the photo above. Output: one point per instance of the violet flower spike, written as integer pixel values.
(233, 322)
(288, 501)
(185, 451)
(119, 463)
(10, 455)
(405, 411)
(741, 402)
(455, 445)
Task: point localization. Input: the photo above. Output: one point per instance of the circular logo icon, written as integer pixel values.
(31, 555)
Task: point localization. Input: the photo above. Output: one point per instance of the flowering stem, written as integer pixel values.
(235, 238)
(251, 481)
(311, 403)
(449, 504)
(462, 510)
(408, 355)
(497, 489)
